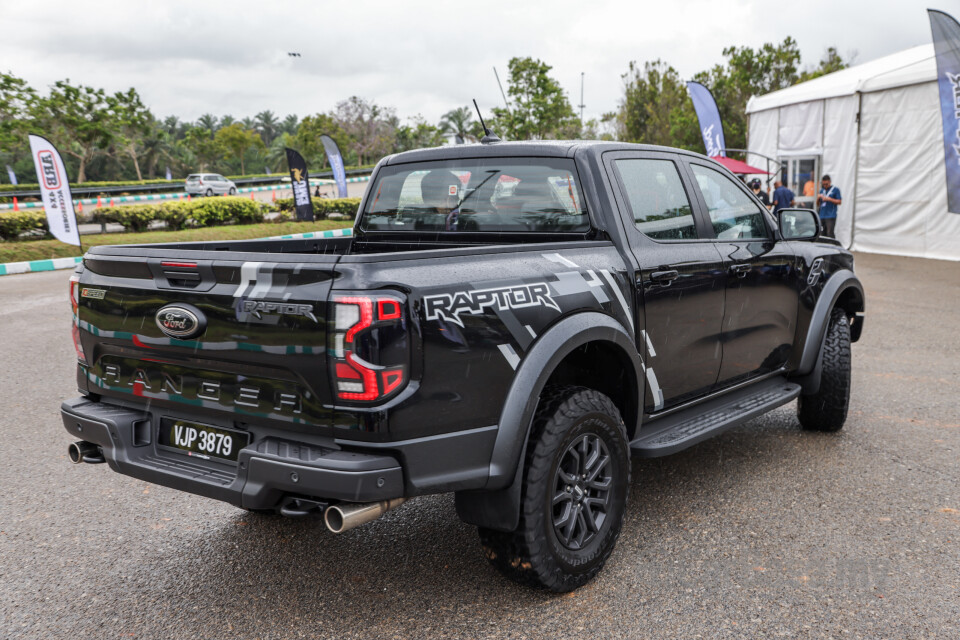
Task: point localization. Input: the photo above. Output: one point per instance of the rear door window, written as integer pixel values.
(658, 202)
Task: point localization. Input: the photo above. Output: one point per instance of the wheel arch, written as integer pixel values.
(556, 356)
(842, 290)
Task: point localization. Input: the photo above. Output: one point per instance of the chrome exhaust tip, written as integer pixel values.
(82, 451)
(347, 515)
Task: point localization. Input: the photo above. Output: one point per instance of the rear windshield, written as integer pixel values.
(476, 195)
(193, 177)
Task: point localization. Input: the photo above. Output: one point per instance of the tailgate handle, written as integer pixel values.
(182, 275)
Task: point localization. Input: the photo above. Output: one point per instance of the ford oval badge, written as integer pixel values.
(181, 321)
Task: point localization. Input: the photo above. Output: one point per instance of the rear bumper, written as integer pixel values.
(267, 471)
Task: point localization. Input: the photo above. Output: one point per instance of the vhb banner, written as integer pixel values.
(11, 175)
(300, 184)
(55, 190)
(709, 116)
(946, 43)
(336, 164)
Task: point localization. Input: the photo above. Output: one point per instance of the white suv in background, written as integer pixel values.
(209, 184)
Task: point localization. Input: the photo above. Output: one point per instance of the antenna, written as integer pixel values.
(505, 101)
(581, 105)
(488, 135)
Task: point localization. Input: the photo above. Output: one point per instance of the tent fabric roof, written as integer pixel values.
(736, 166)
(911, 66)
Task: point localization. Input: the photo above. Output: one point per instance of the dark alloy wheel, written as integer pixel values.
(573, 494)
(581, 492)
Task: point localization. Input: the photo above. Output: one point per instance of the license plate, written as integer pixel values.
(202, 440)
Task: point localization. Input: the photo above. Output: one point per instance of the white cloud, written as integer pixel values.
(188, 58)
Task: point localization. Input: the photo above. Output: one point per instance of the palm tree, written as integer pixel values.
(276, 154)
(208, 121)
(249, 123)
(290, 124)
(267, 126)
(458, 122)
(226, 121)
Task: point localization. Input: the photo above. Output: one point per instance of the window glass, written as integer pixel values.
(654, 191)
(734, 214)
(477, 195)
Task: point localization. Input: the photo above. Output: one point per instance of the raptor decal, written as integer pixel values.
(450, 306)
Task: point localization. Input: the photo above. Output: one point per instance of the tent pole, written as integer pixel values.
(856, 174)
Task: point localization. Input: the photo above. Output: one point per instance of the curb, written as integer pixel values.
(13, 268)
(173, 196)
(10, 268)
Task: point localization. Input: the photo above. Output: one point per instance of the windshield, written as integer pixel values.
(478, 195)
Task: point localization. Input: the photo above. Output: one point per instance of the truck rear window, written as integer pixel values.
(527, 195)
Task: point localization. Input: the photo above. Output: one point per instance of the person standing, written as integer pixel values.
(761, 194)
(782, 197)
(829, 199)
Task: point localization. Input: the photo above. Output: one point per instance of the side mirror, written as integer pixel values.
(799, 224)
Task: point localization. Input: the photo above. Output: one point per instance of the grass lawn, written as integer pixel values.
(23, 250)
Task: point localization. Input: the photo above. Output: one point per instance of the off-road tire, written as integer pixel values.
(534, 554)
(826, 410)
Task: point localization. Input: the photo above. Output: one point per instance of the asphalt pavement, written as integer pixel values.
(762, 532)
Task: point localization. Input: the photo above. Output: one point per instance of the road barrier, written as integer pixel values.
(165, 196)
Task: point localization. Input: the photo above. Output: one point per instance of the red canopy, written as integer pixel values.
(738, 167)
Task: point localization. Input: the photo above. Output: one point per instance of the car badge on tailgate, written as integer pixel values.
(181, 321)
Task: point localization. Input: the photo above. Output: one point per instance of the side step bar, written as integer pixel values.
(680, 430)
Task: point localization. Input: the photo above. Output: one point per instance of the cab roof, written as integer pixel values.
(541, 148)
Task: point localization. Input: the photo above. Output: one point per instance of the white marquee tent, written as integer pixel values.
(876, 129)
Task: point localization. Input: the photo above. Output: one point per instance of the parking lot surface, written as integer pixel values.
(762, 532)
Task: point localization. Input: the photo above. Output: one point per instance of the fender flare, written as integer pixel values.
(497, 505)
(839, 282)
(532, 375)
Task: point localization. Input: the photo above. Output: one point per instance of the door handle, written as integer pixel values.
(740, 270)
(664, 277)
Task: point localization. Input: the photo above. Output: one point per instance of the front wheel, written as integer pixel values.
(826, 410)
(574, 493)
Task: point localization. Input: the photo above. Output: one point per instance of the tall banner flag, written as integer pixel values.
(336, 163)
(458, 138)
(52, 176)
(709, 116)
(946, 43)
(12, 175)
(169, 175)
(300, 183)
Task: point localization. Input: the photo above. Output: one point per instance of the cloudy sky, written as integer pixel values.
(188, 58)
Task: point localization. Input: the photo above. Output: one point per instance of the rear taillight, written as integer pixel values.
(368, 347)
(75, 308)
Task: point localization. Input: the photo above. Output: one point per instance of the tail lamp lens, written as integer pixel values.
(361, 325)
(75, 308)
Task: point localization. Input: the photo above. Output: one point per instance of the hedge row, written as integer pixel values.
(206, 212)
(322, 207)
(13, 223)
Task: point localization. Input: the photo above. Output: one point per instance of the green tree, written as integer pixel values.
(201, 147)
(830, 62)
(289, 124)
(419, 134)
(267, 126)
(539, 108)
(656, 108)
(17, 100)
(307, 139)
(233, 141)
(208, 121)
(133, 122)
(79, 120)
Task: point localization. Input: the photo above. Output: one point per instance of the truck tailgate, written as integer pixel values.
(230, 339)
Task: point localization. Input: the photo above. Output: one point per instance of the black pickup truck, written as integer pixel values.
(509, 321)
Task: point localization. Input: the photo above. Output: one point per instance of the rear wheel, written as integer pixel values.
(826, 410)
(574, 492)
(233, 191)
(208, 192)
